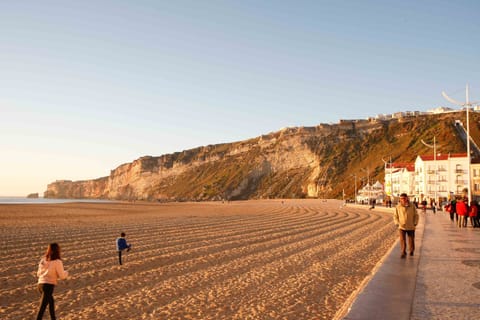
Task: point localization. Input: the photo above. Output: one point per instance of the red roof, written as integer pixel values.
(443, 156)
(402, 165)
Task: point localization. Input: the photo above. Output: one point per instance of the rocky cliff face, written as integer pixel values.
(293, 162)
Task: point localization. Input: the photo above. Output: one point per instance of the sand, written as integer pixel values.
(297, 259)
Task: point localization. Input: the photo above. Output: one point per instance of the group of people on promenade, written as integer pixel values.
(460, 211)
(50, 270)
(406, 218)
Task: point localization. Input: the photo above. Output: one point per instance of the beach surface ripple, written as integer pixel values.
(265, 259)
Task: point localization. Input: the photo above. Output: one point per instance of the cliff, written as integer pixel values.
(291, 163)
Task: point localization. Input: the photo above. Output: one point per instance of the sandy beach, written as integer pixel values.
(297, 259)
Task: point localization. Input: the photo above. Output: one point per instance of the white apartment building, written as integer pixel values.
(475, 177)
(399, 178)
(440, 176)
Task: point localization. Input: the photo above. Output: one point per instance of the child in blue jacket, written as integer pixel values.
(122, 245)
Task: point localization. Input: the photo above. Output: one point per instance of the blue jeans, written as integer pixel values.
(46, 290)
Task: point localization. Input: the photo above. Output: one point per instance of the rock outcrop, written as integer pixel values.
(291, 163)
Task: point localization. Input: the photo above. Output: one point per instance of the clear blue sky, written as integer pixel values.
(86, 86)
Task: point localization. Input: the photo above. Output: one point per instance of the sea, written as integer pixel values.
(23, 200)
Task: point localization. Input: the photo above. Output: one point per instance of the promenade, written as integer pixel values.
(442, 280)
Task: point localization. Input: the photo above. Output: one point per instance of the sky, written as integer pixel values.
(86, 86)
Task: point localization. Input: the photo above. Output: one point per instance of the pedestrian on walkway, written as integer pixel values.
(462, 211)
(473, 212)
(50, 269)
(122, 245)
(406, 218)
(453, 213)
(477, 218)
(433, 205)
(424, 205)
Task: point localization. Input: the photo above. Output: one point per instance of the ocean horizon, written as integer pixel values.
(25, 200)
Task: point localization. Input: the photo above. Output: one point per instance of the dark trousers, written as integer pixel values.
(452, 215)
(120, 256)
(46, 290)
(411, 240)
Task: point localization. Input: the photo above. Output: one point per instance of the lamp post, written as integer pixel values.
(355, 195)
(368, 184)
(467, 106)
(434, 166)
(391, 179)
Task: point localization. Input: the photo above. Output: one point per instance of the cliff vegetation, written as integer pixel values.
(295, 162)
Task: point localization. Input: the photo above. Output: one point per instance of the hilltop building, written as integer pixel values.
(440, 110)
(407, 114)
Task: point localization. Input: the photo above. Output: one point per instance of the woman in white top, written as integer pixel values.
(50, 269)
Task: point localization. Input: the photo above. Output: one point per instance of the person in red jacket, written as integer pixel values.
(462, 211)
(473, 214)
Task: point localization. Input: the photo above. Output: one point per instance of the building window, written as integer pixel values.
(459, 180)
(458, 168)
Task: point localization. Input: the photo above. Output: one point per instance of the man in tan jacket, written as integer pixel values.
(406, 218)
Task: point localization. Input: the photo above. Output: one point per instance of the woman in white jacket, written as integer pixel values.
(50, 269)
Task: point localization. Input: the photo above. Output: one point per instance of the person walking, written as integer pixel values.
(433, 205)
(50, 269)
(472, 213)
(462, 211)
(424, 205)
(406, 218)
(122, 245)
(453, 210)
(477, 217)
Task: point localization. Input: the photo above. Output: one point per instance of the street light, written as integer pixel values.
(355, 195)
(435, 172)
(391, 179)
(467, 106)
(368, 184)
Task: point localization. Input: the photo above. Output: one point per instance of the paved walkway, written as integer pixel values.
(442, 280)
